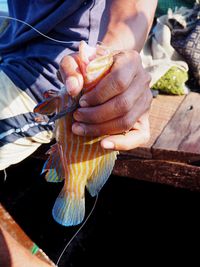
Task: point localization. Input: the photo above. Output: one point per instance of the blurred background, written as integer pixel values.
(3, 5)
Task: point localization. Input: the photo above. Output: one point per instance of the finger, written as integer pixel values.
(71, 75)
(134, 138)
(119, 125)
(123, 71)
(131, 140)
(117, 106)
(115, 126)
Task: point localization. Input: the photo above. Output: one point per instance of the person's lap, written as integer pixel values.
(20, 133)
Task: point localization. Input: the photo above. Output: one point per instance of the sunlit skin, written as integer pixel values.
(123, 104)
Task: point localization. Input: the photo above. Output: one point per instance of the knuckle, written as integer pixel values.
(92, 131)
(127, 123)
(123, 103)
(63, 62)
(146, 100)
(121, 84)
(92, 116)
(96, 117)
(68, 63)
(117, 84)
(147, 78)
(98, 97)
(135, 58)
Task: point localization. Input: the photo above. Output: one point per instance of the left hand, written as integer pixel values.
(118, 104)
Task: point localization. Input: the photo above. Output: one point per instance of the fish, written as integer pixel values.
(79, 161)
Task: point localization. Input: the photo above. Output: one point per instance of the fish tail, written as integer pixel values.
(53, 166)
(69, 209)
(101, 173)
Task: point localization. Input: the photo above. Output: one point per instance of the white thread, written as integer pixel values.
(5, 175)
(42, 34)
(77, 231)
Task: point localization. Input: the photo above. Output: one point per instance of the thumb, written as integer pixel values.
(71, 74)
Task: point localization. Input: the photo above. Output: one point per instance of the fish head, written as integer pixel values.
(95, 63)
(54, 101)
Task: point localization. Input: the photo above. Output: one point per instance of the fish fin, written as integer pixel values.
(101, 173)
(68, 209)
(52, 176)
(53, 166)
(48, 106)
(50, 93)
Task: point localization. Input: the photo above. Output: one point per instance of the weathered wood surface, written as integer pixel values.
(7, 222)
(175, 130)
(171, 173)
(180, 140)
(162, 110)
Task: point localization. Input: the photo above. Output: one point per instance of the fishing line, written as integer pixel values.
(70, 241)
(42, 34)
(5, 175)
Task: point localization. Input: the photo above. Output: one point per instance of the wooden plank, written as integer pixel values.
(180, 139)
(162, 110)
(7, 222)
(170, 173)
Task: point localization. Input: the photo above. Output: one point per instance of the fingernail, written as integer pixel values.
(78, 129)
(72, 84)
(108, 144)
(83, 103)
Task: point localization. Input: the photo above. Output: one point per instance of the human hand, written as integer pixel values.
(118, 105)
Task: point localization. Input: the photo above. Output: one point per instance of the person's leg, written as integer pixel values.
(21, 133)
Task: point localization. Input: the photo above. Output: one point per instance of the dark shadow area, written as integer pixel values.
(134, 221)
